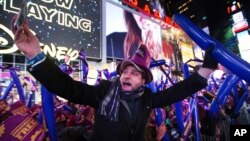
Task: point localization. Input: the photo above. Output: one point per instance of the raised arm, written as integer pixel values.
(25, 40)
(187, 87)
(49, 74)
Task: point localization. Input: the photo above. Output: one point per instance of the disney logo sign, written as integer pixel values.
(58, 52)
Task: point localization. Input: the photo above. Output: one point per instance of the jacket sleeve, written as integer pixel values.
(61, 84)
(179, 91)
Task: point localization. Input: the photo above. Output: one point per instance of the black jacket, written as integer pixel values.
(63, 85)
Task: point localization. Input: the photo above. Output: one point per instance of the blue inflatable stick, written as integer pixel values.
(159, 121)
(40, 117)
(243, 98)
(48, 109)
(227, 90)
(18, 85)
(235, 94)
(195, 116)
(194, 111)
(215, 103)
(29, 102)
(179, 117)
(158, 114)
(8, 89)
(157, 63)
(84, 65)
(225, 57)
(185, 70)
(178, 105)
(214, 82)
(241, 101)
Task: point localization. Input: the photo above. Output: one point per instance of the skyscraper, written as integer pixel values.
(192, 9)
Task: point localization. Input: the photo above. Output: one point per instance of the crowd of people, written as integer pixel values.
(124, 108)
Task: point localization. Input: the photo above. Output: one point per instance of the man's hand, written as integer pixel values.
(25, 40)
(209, 64)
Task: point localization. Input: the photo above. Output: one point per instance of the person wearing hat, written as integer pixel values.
(122, 105)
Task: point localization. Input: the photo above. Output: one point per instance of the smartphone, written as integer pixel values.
(22, 14)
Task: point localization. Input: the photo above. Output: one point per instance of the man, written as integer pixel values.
(122, 105)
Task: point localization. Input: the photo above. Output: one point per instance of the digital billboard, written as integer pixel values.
(244, 40)
(127, 29)
(178, 48)
(169, 45)
(62, 26)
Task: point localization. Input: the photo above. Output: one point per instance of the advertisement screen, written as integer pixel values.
(244, 40)
(126, 30)
(178, 48)
(62, 26)
(169, 46)
(187, 52)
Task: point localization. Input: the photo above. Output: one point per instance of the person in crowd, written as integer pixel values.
(123, 104)
(153, 132)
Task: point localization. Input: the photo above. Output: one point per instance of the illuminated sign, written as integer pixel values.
(238, 17)
(152, 10)
(52, 50)
(240, 26)
(240, 23)
(244, 40)
(187, 52)
(65, 25)
(130, 30)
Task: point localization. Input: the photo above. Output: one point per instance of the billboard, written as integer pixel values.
(62, 26)
(170, 46)
(127, 29)
(178, 48)
(244, 40)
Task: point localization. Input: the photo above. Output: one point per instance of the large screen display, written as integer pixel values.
(126, 30)
(170, 46)
(243, 38)
(62, 26)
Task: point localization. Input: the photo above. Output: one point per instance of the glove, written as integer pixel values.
(208, 61)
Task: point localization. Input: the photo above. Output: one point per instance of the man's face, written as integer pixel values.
(131, 79)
